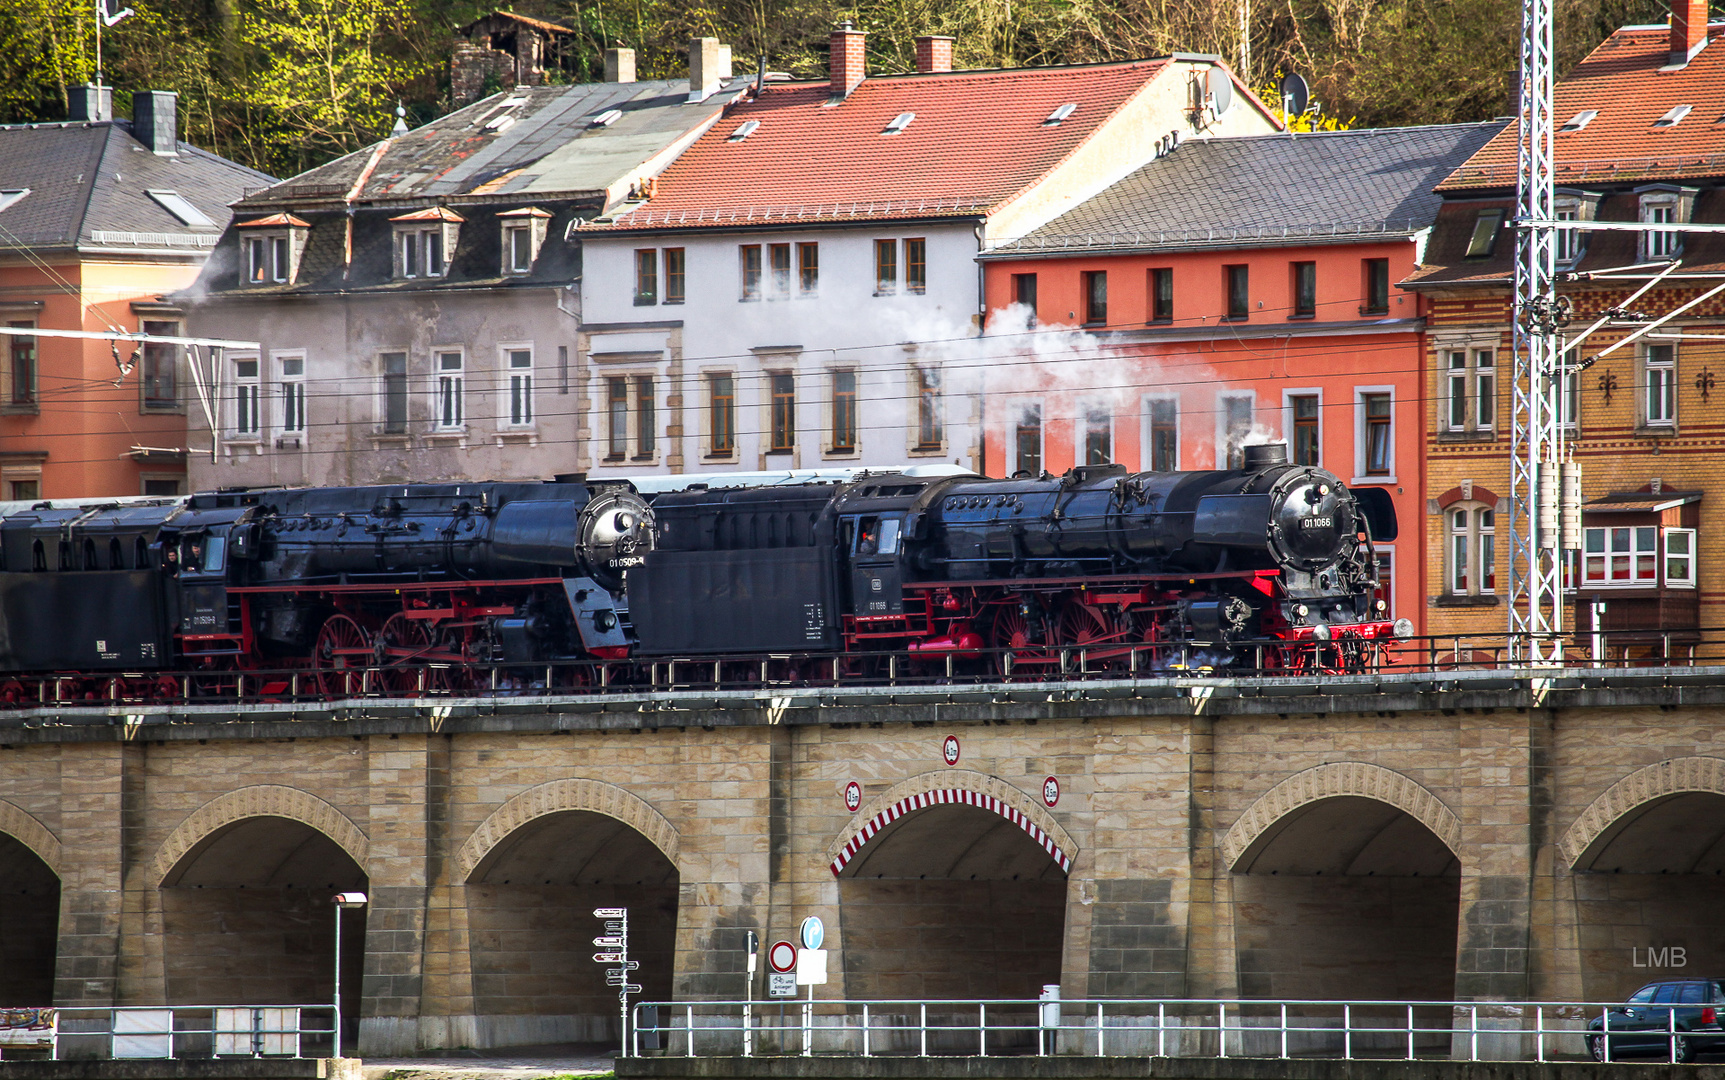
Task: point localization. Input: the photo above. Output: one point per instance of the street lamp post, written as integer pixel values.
(342, 901)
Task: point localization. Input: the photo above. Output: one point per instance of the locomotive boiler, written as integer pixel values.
(1164, 569)
(393, 579)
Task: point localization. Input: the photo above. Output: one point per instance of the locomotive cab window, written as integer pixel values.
(878, 536)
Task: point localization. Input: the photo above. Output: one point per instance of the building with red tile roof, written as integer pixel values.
(1640, 139)
(763, 290)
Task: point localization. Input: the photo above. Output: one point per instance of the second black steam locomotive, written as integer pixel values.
(465, 588)
(1242, 566)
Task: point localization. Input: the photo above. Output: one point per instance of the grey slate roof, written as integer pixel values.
(1268, 189)
(548, 147)
(89, 185)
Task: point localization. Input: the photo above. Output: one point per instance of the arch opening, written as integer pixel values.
(248, 919)
(952, 901)
(1652, 881)
(530, 904)
(29, 925)
(1347, 897)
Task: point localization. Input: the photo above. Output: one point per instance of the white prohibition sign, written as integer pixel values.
(782, 956)
(949, 750)
(1050, 792)
(853, 796)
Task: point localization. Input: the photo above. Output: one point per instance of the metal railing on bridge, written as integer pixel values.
(1536, 1031)
(1119, 662)
(176, 1031)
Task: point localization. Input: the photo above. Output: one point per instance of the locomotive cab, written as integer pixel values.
(876, 580)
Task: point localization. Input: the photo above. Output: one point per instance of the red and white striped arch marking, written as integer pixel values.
(953, 796)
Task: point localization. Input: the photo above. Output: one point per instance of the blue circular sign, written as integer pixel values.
(814, 932)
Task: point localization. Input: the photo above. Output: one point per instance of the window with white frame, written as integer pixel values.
(1565, 388)
(1680, 556)
(1470, 388)
(450, 406)
(1098, 447)
(1303, 420)
(1236, 422)
(1162, 433)
(161, 364)
(523, 236)
(1660, 244)
(1567, 242)
(269, 258)
(1620, 556)
(1472, 550)
(419, 252)
(1659, 383)
(394, 365)
(1377, 433)
(292, 394)
(248, 424)
(519, 363)
(1027, 440)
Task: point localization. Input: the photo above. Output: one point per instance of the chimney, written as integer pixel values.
(847, 62)
(92, 104)
(619, 65)
(933, 53)
(709, 65)
(154, 121)
(1688, 30)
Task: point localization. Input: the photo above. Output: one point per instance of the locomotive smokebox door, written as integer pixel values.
(877, 584)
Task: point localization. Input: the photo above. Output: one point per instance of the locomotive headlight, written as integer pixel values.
(1403, 628)
(1381, 605)
(605, 621)
(1321, 632)
(1301, 610)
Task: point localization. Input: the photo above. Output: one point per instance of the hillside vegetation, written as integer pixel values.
(283, 85)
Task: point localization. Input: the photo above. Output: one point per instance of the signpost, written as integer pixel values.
(811, 963)
(751, 943)
(614, 949)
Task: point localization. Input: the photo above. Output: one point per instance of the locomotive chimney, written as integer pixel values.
(1265, 455)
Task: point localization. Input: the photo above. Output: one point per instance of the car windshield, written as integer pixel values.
(1643, 995)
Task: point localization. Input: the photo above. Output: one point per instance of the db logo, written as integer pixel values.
(949, 750)
(853, 796)
(1050, 791)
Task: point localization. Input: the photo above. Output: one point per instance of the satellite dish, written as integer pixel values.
(1221, 90)
(1295, 95)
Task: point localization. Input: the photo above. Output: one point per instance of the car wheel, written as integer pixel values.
(1685, 1051)
(1596, 1047)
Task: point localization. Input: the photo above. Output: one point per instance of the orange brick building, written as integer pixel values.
(1641, 420)
(99, 219)
(1234, 290)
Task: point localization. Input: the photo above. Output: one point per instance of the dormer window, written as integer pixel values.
(271, 248)
(1571, 244)
(424, 242)
(523, 235)
(1671, 118)
(1664, 204)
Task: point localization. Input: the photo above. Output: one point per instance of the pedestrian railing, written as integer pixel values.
(185, 1031)
(1207, 1027)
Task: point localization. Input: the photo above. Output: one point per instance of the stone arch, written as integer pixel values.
(1357, 778)
(23, 827)
(1673, 776)
(953, 786)
(260, 800)
(558, 796)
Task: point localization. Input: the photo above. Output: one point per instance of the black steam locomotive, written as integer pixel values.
(388, 589)
(439, 588)
(1269, 566)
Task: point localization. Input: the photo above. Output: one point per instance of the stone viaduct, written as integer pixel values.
(1480, 836)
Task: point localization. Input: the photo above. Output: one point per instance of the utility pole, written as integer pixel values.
(1537, 452)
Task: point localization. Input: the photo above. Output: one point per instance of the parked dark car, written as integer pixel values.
(1644, 1024)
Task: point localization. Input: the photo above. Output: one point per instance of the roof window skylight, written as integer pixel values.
(1579, 120)
(176, 204)
(744, 130)
(9, 196)
(1060, 114)
(1670, 119)
(606, 118)
(899, 123)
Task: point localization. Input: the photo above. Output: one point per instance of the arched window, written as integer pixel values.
(90, 555)
(65, 555)
(140, 554)
(38, 556)
(116, 555)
